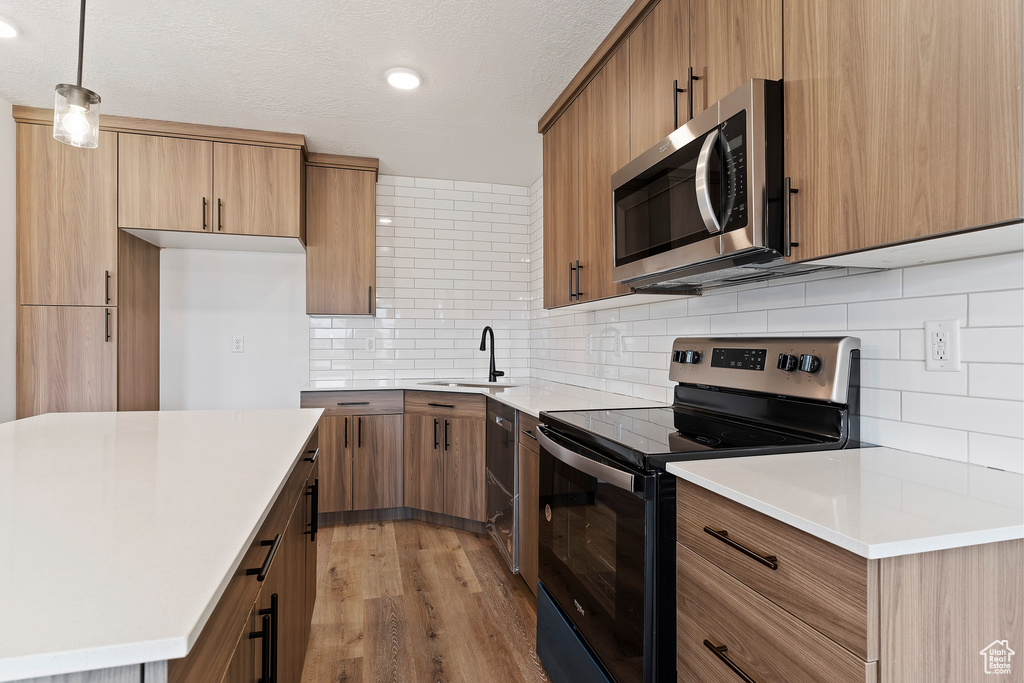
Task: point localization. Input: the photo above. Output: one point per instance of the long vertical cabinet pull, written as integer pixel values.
(676, 90)
(369, 300)
(690, 78)
(204, 214)
(264, 635)
(572, 269)
(446, 444)
(220, 214)
(313, 491)
(578, 269)
(106, 324)
(346, 432)
(359, 439)
(271, 613)
(787, 214)
(106, 285)
(436, 443)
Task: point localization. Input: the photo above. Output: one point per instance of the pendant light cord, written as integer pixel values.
(81, 42)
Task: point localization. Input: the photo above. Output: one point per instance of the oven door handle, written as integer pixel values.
(702, 183)
(618, 478)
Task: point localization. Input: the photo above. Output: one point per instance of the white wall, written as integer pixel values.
(206, 297)
(974, 415)
(454, 258)
(7, 264)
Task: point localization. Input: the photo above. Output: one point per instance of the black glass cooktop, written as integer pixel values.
(651, 437)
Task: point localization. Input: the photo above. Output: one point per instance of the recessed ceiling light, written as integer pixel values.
(384, 221)
(403, 79)
(7, 29)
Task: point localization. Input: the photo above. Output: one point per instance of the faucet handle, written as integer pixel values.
(499, 373)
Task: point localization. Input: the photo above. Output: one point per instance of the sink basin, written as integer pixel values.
(467, 383)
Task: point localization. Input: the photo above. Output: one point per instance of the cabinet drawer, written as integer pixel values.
(820, 583)
(387, 402)
(760, 638)
(445, 404)
(528, 431)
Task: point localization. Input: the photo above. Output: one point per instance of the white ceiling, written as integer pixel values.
(490, 69)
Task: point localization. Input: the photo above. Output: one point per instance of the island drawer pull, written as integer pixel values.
(313, 491)
(261, 573)
(528, 433)
(312, 459)
(353, 403)
(720, 652)
(264, 635)
(441, 405)
(770, 561)
(270, 673)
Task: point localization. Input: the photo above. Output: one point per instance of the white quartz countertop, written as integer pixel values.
(120, 531)
(875, 502)
(530, 395)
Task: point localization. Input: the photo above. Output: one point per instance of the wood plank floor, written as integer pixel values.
(410, 601)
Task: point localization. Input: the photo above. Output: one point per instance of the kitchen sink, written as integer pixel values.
(467, 383)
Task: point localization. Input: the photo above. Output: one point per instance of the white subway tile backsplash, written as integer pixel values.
(990, 416)
(807, 319)
(997, 451)
(1005, 271)
(886, 284)
(899, 314)
(990, 380)
(996, 309)
(942, 443)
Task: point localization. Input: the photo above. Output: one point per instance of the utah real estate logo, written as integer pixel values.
(997, 657)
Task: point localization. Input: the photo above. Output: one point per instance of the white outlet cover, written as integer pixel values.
(942, 346)
(371, 343)
(237, 344)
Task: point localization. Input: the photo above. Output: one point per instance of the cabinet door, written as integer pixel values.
(335, 462)
(561, 207)
(658, 59)
(67, 359)
(293, 624)
(377, 462)
(245, 658)
(424, 463)
(257, 190)
(311, 554)
(903, 120)
(164, 183)
(465, 462)
(604, 149)
(341, 257)
(733, 41)
(67, 220)
(529, 514)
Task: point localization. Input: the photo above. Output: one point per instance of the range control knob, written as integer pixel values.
(692, 357)
(809, 363)
(677, 356)
(787, 362)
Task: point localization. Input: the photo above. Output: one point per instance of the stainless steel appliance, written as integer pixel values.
(502, 482)
(606, 606)
(708, 205)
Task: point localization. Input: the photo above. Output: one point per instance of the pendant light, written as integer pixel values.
(76, 110)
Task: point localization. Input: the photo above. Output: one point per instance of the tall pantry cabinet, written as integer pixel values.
(76, 273)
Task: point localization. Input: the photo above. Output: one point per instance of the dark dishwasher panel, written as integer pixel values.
(502, 486)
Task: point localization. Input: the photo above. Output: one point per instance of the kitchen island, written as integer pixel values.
(121, 532)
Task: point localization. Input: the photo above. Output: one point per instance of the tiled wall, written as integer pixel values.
(975, 414)
(454, 258)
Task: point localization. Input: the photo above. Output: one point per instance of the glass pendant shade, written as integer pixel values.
(76, 116)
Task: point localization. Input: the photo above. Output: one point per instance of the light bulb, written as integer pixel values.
(403, 79)
(76, 123)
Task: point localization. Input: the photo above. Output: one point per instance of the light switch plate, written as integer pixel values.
(942, 346)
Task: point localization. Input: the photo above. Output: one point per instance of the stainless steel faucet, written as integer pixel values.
(492, 374)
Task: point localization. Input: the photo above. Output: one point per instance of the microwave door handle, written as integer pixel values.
(614, 476)
(702, 182)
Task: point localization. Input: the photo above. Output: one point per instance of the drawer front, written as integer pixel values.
(386, 402)
(528, 431)
(213, 649)
(761, 639)
(473, 406)
(820, 583)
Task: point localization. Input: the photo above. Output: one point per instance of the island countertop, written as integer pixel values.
(120, 531)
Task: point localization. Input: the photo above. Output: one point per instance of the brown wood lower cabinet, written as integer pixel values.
(376, 461)
(242, 667)
(465, 463)
(424, 463)
(529, 514)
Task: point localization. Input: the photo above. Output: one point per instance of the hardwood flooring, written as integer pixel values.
(410, 601)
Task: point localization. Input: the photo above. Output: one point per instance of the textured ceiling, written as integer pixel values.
(490, 69)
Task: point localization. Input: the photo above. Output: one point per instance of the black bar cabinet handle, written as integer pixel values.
(220, 214)
(441, 405)
(273, 613)
(690, 78)
(787, 213)
(578, 269)
(446, 435)
(106, 324)
(675, 102)
(106, 285)
(722, 535)
(721, 651)
(572, 269)
(354, 403)
(312, 458)
(346, 432)
(369, 299)
(264, 634)
(261, 573)
(436, 443)
(204, 213)
(529, 433)
(313, 491)
(359, 441)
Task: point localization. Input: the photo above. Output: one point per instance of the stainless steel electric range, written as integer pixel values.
(606, 604)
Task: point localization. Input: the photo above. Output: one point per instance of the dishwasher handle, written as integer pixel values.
(619, 478)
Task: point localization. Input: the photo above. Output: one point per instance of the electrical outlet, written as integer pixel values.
(942, 346)
(371, 344)
(238, 344)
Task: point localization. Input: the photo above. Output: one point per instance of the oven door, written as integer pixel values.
(592, 550)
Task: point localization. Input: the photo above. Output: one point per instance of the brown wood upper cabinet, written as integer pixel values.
(902, 122)
(658, 64)
(67, 220)
(341, 255)
(258, 190)
(561, 207)
(732, 41)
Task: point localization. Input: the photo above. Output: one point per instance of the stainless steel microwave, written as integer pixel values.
(704, 207)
